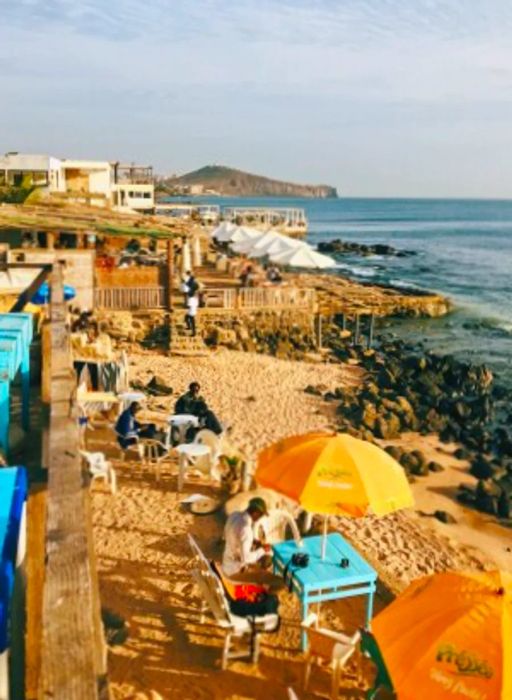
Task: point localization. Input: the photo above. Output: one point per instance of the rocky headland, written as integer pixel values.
(231, 182)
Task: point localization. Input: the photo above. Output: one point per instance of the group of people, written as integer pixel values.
(246, 559)
(129, 430)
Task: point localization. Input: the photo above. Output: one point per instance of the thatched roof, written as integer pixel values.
(58, 218)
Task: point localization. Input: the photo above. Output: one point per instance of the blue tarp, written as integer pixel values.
(13, 494)
(42, 296)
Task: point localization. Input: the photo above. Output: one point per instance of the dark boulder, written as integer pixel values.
(482, 468)
(444, 517)
(435, 467)
(503, 505)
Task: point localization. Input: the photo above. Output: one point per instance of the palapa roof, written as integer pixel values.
(70, 218)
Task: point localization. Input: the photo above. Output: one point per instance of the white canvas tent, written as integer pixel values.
(237, 234)
(304, 257)
(281, 244)
(244, 233)
(255, 243)
(222, 230)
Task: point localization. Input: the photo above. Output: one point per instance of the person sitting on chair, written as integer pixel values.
(188, 402)
(192, 403)
(129, 430)
(246, 560)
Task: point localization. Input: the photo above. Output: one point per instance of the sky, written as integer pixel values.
(377, 97)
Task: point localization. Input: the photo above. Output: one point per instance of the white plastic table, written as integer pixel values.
(187, 454)
(128, 397)
(183, 421)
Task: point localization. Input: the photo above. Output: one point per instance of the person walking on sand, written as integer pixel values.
(190, 317)
(245, 560)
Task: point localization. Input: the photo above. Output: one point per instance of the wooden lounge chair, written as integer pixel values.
(233, 626)
(330, 647)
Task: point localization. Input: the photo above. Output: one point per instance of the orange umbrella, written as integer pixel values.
(335, 474)
(449, 637)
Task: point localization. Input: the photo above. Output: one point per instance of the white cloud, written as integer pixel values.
(301, 80)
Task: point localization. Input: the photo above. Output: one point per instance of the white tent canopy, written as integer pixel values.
(254, 243)
(303, 257)
(281, 244)
(244, 233)
(237, 234)
(222, 230)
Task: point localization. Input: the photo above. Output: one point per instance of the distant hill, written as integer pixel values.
(218, 179)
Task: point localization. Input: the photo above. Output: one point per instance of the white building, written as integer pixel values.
(100, 183)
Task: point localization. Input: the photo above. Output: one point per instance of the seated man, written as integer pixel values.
(245, 560)
(192, 403)
(188, 402)
(129, 430)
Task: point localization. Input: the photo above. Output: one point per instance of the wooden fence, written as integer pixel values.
(73, 650)
(224, 298)
(125, 298)
(261, 298)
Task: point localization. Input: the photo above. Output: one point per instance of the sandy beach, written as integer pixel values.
(143, 554)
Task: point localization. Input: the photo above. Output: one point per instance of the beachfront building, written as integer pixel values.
(133, 188)
(126, 188)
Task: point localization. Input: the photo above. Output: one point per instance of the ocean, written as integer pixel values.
(462, 249)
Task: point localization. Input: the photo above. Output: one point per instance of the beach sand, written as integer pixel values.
(143, 555)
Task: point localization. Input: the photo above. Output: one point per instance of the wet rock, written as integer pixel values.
(157, 386)
(387, 427)
(461, 453)
(444, 517)
(435, 467)
(503, 505)
(482, 468)
(313, 390)
(394, 451)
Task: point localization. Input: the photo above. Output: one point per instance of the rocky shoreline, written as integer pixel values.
(407, 389)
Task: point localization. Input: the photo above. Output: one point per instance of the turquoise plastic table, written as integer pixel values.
(325, 579)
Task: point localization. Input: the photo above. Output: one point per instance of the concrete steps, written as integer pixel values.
(187, 346)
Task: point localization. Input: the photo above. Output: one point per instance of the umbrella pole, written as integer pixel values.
(324, 537)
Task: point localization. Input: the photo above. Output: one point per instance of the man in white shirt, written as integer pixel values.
(190, 318)
(243, 555)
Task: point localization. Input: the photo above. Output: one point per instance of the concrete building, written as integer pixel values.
(100, 183)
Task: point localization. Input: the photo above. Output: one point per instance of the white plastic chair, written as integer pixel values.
(330, 647)
(153, 453)
(211, 461)
(100, 468)
(277, 526)
(235, 628)
(135, 447)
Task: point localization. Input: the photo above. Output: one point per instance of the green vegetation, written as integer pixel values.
(17, 194)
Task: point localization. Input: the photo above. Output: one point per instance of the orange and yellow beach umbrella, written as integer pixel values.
(335, 474)
(449, 637)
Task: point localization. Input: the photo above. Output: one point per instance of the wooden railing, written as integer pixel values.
(125, 298)
(73, 649)
(261, 298)
(130, 297)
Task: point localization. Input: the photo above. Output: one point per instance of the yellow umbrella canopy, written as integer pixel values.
(449, 637)
(335, 474)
